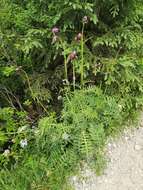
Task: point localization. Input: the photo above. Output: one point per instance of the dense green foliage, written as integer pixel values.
(71, 72)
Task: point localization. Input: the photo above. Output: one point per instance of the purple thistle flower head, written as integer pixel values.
(55, 30)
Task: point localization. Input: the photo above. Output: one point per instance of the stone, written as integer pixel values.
(127, 138)
(138, 147)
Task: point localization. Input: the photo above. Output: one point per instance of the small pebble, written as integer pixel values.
(110, 152)
(138, 147)
(100, 181)
(127, 138)
(114, 145)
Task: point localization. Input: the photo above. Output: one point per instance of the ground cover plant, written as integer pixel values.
(71, 73)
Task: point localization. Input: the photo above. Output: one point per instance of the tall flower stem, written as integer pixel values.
(82, 58)
(65, 67)
(65, 60)
(73, 76)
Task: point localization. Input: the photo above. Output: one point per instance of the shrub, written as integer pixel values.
(76, 65)
(88, 118)
(113, 33)
(15, 131)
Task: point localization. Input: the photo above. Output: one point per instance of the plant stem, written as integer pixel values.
(73, 77)
(65, 65)
(82, 58)
(65, 60)
(33, 93)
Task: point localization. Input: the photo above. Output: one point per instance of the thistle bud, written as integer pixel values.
(78, 37)
(72, 55)
(85, 19)
(55, 30)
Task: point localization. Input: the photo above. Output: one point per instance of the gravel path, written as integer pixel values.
(125, 168)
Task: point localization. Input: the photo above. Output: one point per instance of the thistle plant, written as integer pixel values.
(56, 38)
(70, 56)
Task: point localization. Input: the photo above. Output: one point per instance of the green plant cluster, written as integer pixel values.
(71, 72)
(14, 128)
(87, 119)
